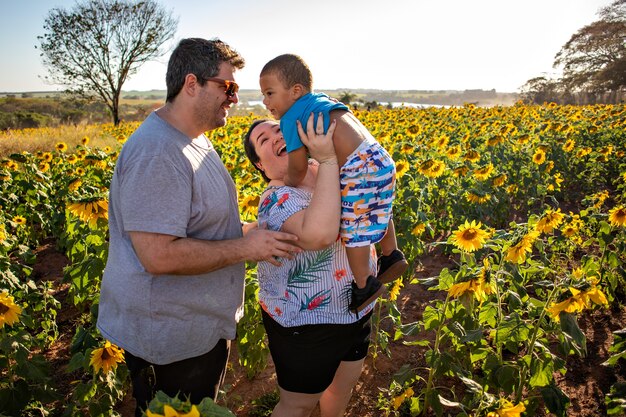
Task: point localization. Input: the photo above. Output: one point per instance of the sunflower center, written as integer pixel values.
(3, 308)
(470, 234)
(105, 355)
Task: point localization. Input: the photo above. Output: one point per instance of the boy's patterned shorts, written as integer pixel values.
(367, 191)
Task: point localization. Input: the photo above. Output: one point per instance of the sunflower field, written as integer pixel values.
(528, 203)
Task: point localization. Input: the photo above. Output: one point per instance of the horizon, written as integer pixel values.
(259, 90)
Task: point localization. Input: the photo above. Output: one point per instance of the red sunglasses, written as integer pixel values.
(231, 86)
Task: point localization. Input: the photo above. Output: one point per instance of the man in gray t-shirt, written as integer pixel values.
(172, 290)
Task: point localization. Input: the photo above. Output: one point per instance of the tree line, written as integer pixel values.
(593, 64)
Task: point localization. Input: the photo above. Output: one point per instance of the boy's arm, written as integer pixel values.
(298, 165)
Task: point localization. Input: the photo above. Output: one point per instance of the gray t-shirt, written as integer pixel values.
(166, 183)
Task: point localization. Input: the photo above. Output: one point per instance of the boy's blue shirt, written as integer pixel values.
(301, 110)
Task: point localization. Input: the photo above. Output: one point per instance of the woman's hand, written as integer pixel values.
(320, 145)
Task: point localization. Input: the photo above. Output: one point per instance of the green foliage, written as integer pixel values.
(206, 408)
(264, 405)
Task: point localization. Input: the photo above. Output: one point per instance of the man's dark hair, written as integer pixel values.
(290, 70)
(200, 57)
(253, 157)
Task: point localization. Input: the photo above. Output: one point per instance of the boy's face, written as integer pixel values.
(276, 97)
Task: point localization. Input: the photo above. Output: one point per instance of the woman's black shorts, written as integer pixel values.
(307, 357)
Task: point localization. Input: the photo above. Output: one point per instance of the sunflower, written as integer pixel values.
(539, 157)
(12, 165)
(442, 141)
(495, 140)
(617, 216)
(79, 171)
(90, 211)
(453, 152)
(460, 171)
(169, 411)
(395, 290)
(523, 139)
(9, 311)
(85, 140)
(19, 220)
(72, 159)
(250, 204)
(578, 301)
(432, 168)
(477, 198)
(75, 185)
(106, 358)
(3, 233)
(569, 144)
(549, 221)
(469, 236)
(478, 287)
(43, 167)
(47, 156)
(499, 180)
(600, 196)
(606, 151)
(418, 229)
(583, 152)
(518, 252)
(401, 168)
(61, 147)
(484, 172)
(397, 401)
(471, 156)
(569, 230)
(407, 148)
(507, 409)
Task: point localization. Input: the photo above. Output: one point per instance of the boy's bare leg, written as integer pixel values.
(359, 260)
(365, 287)
(392, 264)
(388, 243)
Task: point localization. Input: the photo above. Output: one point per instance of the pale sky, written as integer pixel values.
(348, 44)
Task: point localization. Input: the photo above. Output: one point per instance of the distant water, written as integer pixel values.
(394, 104)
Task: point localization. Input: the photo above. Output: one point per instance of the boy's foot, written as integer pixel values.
(392, 266)
(362, 297)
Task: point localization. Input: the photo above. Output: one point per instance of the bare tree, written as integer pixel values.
(96, 46)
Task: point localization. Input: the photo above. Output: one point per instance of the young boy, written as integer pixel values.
(367, 172)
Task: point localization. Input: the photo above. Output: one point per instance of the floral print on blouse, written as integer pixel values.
(314, 286)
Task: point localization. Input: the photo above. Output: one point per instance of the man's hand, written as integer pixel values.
(268, 245)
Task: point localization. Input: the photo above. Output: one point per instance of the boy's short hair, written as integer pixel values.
(290, 70)
(200, 57)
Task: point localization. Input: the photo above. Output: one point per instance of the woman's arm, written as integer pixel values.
(318, 226)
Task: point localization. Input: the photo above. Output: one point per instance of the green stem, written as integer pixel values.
(499, 319)
(377, 329)
(431, 370)
(531, 347)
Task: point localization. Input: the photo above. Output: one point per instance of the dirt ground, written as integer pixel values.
(585, 381)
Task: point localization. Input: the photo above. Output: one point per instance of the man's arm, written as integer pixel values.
(165, 254)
